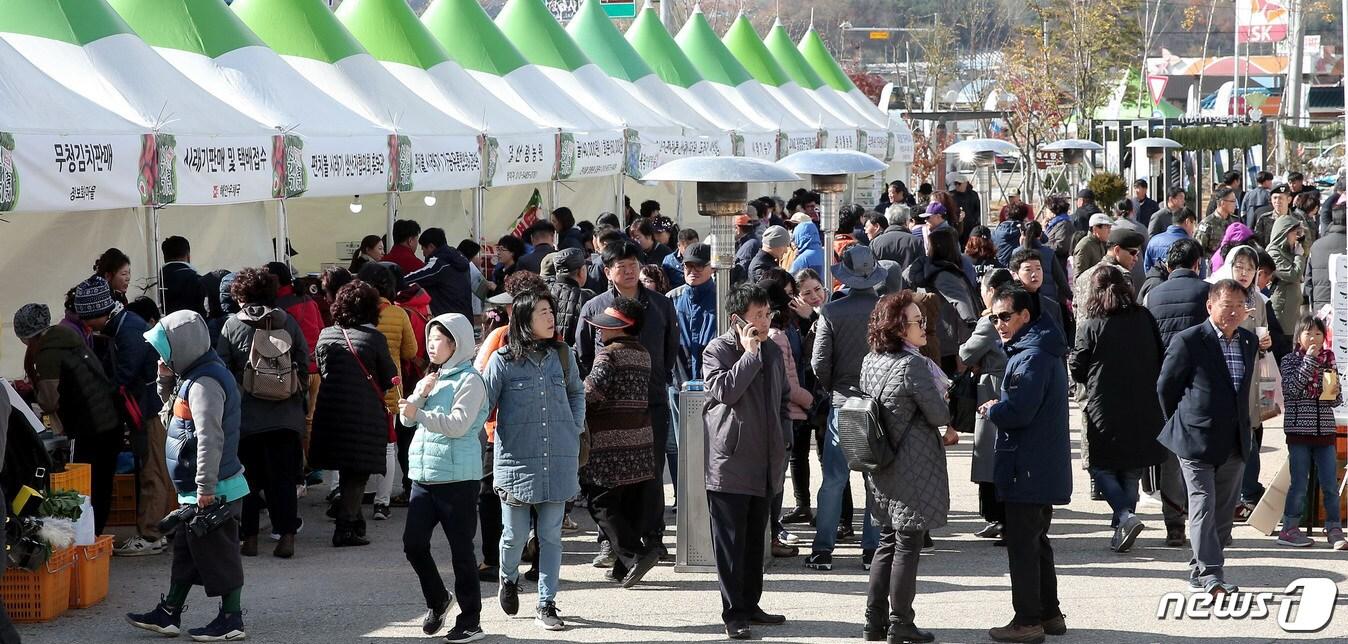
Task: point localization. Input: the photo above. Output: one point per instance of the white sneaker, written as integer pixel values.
(139, 546)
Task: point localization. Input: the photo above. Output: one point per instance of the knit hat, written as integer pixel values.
(776, 237)
(93, 299)
(31, 319)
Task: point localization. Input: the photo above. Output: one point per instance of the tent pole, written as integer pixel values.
(282, 233)
(392, 215)
(479, 198)
(678, 203)
(619, 188)
(157, 262)
(554, 190)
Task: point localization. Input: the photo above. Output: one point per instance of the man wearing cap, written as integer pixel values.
(1081, 217)
(1122, 248)
(747, 243)
(1091, 249)
(673, 262)
(1281, 199)
(839, 346)
(971, 208)
(1213, 228)
(695, 309)
(933, 217)
(568, 289)
(897, 244)
(660, 335)
(776, 241)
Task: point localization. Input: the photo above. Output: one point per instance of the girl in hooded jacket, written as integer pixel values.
(448, 409)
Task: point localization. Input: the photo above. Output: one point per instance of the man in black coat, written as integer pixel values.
(1143, 206)
(1206, 377)
(445, 275)
(543, 237)
(1317, 269)
(898, 244)
(660, 336)
(182, 284)
(1179, 302)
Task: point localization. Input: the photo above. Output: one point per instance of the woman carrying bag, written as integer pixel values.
(912, 492)
(351, 423)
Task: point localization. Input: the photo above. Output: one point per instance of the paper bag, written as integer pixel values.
(1267, 516)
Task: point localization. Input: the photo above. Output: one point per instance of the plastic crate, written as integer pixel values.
(39, 596)
(123, 512)
(77, 477)
(89, 577)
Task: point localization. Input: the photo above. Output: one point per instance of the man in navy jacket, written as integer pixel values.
(1032, 466)
(1204, 389)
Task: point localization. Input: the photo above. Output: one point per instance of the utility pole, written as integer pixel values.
(1292, 88)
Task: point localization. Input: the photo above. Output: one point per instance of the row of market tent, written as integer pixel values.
(280, 99)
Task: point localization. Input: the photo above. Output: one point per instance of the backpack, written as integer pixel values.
(861, 433)
(269, 373)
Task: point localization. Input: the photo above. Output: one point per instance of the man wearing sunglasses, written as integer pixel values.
(1032, 466)
(1121, 251)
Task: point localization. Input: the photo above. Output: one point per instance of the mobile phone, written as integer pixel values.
(737, 322)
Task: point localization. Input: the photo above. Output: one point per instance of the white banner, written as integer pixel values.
(582, 155)
(48, 172)
(841, 139)
(519, 159)
(876, 144)
(756, 145)
(344, 166)
(798, 141)
(436, 162)
(216, 169)
(647, 152)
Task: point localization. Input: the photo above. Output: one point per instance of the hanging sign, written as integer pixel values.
(48, 172)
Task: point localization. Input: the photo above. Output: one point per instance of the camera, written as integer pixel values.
(201, 521)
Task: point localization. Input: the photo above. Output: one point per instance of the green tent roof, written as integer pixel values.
(467, 33)
(652, 41)
(206, 27)
(391, 32)
(78, 22)
(537, 35)
(1136, 103)
(708, 54)
(594, 32)
(303, 28)
(784, 51)
(743, 42)
(812, 48)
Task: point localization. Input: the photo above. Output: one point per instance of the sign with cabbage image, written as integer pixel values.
(158, 177)
(400, 163)
(290, 178)
(9, 173)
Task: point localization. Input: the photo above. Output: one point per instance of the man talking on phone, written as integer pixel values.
(747, 397)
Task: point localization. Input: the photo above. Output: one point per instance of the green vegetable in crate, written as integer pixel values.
(62, 504)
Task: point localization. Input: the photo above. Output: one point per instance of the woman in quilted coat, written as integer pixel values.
(912, 493)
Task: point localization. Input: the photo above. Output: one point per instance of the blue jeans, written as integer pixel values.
(515, 533)
(1301, 458)
(1120, 490)
(672, 443)
(828, 507)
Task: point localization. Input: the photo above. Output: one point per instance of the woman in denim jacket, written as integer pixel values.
(540, 401)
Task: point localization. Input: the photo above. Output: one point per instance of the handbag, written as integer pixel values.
(388, 418)
(1329, 385)
(1270, 387)
(963, 397)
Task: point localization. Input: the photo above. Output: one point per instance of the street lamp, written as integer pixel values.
(1155, 148)
(828, 171)
(1073, 153)
(722, 194)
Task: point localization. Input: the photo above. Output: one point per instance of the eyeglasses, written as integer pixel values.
(921, 321)
(1004, 317)
(1133, 251)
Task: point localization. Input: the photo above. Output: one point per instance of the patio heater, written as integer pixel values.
(722, 194)
(1156, 147)
(1073, 154)
(982, 154)
(829, 172)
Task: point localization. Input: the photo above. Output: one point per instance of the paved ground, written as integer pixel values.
(370, 594)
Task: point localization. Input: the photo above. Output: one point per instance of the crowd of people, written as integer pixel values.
(507, 394)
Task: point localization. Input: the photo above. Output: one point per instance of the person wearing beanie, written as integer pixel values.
(776, 241)
(1121, 251)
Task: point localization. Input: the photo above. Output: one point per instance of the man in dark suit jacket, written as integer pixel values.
(1204, 389)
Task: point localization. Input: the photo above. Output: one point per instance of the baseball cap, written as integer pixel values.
(698, 254)
(1014, 192)
(610, 318)
(956, 177)
(800, 218)
(1101, 219)
(933, 208)
(568, 259)
(1085, 193)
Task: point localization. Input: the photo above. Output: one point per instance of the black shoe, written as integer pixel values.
(331, 512)
(345, 536)
(643, 566)
(877, 626)
(819, 561)
(1096, 494)
(738, 631)
(926, 541)
(760, 617)
(1128, 533)
(226, 627)
(358, 526)
(846, 533)
(867, 556)
(907, 634)
(1000, 543)
(1174, 537)
(381, 512)
(164, 619)
(665, 555)
(532, 574)
(399, 501)
(1055, 625)
(509, 596)
(990, 531)
(801, 514)
(435, 617)
(461, 635)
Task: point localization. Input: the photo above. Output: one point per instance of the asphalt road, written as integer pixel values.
(370, 594)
